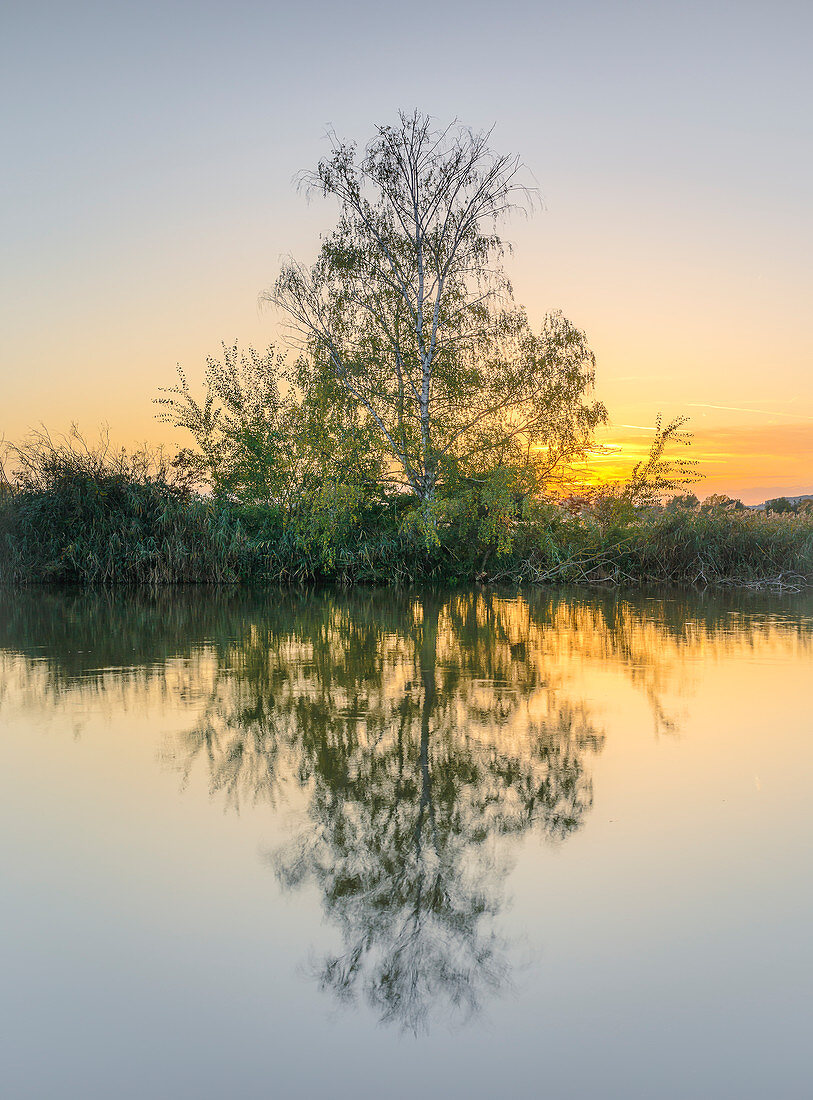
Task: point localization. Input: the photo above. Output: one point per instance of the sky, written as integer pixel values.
(147, 187)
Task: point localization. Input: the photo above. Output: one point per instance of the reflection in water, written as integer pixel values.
(411, 790)
(425, 732)
(410, 726)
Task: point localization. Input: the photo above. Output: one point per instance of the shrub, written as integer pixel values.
(77, 514)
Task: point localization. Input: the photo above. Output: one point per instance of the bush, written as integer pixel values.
(76, 514)
(73, 514)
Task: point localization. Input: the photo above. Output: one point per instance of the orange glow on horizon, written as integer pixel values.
(749, 463)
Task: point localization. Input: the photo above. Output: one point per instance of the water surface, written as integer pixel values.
(390, 845)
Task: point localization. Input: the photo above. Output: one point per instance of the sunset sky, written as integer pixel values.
(148, 164)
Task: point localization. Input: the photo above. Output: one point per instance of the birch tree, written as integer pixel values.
(409, 310)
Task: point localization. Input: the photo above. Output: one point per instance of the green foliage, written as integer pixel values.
(680, 547)
(267, 434)
(779, 505)
(259, 440)
(74, 514)
(420, 435)
(719, 502)
(418, 374)
(650, 480)
(408, 312)
(682, 501)
(661, 473)
(239, 427)
(80, 514)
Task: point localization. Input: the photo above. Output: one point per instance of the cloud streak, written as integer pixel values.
(751, 463)
(738, 408)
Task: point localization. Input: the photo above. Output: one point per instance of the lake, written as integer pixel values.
(405, 844)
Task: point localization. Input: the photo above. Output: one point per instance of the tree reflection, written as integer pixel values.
(406, 855)
(425, 734)
(424, 739)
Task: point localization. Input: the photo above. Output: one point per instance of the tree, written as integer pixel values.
(720, 502)
(240, 427)
(657, 474)
(409, 311)
(683, 502)
(779, 505)
(649, 481)
(265, 432)
(268, 432)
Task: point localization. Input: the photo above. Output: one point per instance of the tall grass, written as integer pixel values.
(72, 514)
(685, 547)
(77, 515)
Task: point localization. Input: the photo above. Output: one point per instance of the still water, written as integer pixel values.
(405, 845)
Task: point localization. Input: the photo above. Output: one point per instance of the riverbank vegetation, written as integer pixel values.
(78, 515)
(417, 429)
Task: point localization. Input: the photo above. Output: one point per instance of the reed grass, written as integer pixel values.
(89, 518)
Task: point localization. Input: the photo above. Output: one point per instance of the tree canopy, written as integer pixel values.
(415, 393)
(408, 309)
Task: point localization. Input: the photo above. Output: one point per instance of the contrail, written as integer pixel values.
(737, 409)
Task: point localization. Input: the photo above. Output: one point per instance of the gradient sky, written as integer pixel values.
(147, 175)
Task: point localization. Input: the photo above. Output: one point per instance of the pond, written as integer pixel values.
(400, 844)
